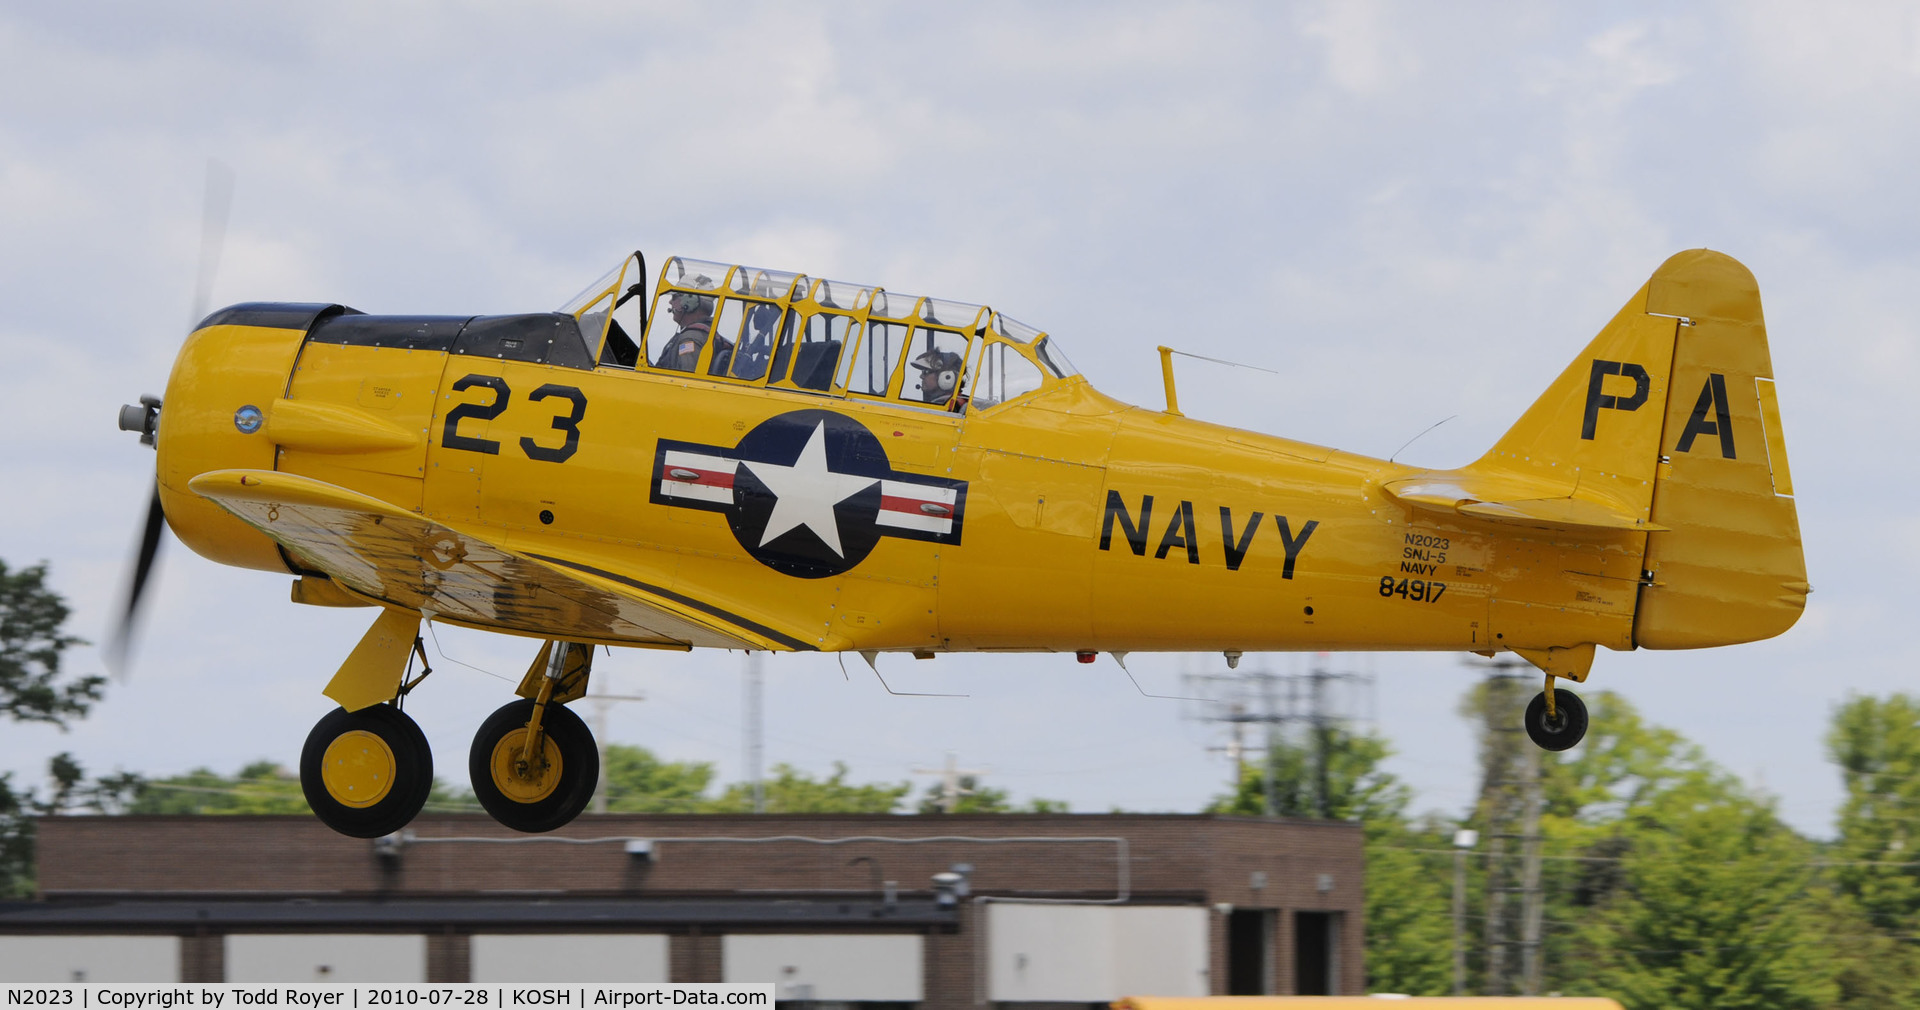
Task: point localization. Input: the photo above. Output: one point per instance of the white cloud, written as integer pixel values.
(1364, 55)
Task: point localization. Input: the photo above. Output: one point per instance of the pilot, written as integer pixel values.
(693, 314)
(940, 379)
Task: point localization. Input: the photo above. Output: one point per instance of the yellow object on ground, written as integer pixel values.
(1362, 1002)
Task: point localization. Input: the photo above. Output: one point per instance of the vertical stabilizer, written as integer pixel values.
(1595, 432)
(1728, 567)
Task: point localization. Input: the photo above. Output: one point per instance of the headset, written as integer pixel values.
(943, 367)
(683, 301)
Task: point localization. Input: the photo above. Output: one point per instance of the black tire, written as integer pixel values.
(389, 808)
(562, 801)
(1565, 729)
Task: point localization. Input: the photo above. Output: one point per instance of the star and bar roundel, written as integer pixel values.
(808, 493)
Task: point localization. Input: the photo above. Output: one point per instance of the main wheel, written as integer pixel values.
(1568, 725)
(539, 794)
(366, 773)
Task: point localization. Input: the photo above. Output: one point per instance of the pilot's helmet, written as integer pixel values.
(939, 370)
(686, 301)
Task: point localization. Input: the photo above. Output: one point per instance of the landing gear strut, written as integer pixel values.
(366, 773)
(1556, 720)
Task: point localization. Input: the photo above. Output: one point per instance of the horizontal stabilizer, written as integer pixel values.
(1514, 501)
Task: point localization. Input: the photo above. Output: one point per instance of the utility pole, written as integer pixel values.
(1277, 703)
(1509, 813)
(1266, 682)
(1463, 840)
(754, 730)
(1236, 748)
(601, 704)
(950, 775)
(1322, 740)
(1532, 898)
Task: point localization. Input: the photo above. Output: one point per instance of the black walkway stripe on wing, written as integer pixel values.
(705, 608)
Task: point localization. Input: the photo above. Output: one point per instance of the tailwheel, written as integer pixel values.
(366, 773)
(539, 791)
(1564, 728)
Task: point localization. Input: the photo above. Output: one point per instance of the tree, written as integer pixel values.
(1408, 905)
(638, 782)
(1876, 743)
(1669, 884)
(31, 643)
(975, 798)
(262, 787)
(1876, 874)
(1408, 887)
(69, 792)
(1714, 911)
(1356, 787)
(792, 791)
(16, 841)
(32, 689)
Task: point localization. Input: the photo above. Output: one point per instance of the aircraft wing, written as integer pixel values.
(386, 553)
(1515, 502)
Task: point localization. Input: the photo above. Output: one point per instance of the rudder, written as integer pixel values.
(1728, 568)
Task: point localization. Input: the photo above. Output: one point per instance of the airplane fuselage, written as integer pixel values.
(1061, 521)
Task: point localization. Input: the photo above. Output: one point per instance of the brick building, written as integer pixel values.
(1027, 908)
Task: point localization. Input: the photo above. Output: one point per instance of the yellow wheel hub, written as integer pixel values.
(524, 781)
(358, 769)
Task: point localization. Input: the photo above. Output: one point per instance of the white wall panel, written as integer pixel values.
(581, 957)
(326, 957)
(89, 959)
(1160, 951)
(828, 966)
(1094, 953)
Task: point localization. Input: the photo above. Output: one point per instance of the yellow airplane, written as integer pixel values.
(752, 459)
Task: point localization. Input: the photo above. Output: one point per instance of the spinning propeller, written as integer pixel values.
(145, 417)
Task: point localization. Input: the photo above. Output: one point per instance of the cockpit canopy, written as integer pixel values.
(785, 330)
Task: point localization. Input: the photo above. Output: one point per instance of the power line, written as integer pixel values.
(952, 784)
(1314, 703)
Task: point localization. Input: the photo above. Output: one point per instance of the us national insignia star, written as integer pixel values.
(808, 493)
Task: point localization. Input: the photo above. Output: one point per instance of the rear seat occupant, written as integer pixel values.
(940, 379)
(693, 314)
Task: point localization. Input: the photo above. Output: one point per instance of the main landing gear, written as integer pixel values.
(367, 772)
(533, 770)
(534, 764)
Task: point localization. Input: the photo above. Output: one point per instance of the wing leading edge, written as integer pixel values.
(400, 558)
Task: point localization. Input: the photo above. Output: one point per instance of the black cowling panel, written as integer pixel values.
(542, 338)
(415, 333)
(275, 315)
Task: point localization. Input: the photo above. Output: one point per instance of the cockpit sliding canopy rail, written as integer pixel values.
(786, 330)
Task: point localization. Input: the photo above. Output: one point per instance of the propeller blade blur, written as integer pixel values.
(213, 235)
(120, 641)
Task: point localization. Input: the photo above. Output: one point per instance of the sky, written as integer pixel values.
(1410, 212)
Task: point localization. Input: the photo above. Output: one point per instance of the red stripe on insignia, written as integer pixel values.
(915, 506)
(709, 478)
